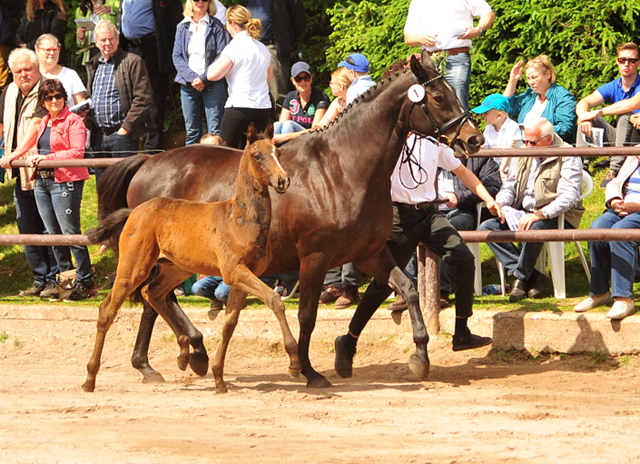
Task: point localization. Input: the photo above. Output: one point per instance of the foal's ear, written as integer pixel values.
(268, 133)
(251, 134)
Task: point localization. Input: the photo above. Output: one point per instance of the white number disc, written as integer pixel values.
(416, 93)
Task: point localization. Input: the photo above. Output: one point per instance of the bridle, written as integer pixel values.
(439, 131)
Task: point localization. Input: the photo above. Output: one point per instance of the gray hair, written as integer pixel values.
(20, 53)
(105, 25)
(44, 37)
(539, 124)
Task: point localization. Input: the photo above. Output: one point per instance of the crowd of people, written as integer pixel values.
(234, 67)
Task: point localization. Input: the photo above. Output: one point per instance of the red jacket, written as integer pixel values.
(68, 140)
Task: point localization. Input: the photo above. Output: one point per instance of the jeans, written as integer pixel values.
(113, 146)
(341, 276)
(41, 263)
(519, 263)
(462, 220)
(210, 101)
(617, 261)
(619, 136)
(458, 74)
(59, 207)
(211, 287)
(287, 127)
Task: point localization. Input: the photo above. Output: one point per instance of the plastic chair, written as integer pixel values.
(475, 249)
(555, 250)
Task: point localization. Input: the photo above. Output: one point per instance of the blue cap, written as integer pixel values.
(495, 101)
(356, 62)
(300, 67)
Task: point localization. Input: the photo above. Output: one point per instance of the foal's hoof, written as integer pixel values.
(156, 377)
(318, 382)
(199, 365)
(89, 387)
(419, 367)
(295, 372)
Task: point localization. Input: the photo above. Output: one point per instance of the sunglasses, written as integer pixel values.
(299, 79)
(534, 143)
(627, 60)
(57, 96)
(198, 1)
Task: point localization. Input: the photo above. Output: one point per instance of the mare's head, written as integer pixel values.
(436, 111)
(264, 159)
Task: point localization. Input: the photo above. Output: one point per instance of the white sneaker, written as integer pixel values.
(593, 302)
(621, 309)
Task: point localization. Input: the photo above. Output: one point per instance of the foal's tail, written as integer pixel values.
(110, 228)
(114, 183)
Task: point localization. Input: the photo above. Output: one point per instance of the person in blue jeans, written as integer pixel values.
(200, 38)
(616, 261)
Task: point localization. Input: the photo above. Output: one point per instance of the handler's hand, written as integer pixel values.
(451, 200)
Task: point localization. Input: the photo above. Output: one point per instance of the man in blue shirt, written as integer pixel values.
(622, 88)
(358, 66)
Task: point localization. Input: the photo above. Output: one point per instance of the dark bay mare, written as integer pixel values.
(337, 209)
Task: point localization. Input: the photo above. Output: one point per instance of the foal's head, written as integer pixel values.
(265, 159)
(435, 110)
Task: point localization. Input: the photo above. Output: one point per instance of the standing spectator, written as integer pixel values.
(6, 37)
(62, 135)
(246, 64)
(122, 99)
(42, 17)
(48, 51)
(149, 30)
(21, 115)
(437, 26)
(200, 38)
(303, 108)
(283, 22)
(544, 98)
(94, 10)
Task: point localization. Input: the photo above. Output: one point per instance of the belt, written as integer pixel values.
(268, 42)
(109, 130)
(141, 40)
(452, 51)
(44, 173)
(424, 205)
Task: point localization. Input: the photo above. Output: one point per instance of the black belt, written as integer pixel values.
(424, 205)
(44, 173)
(110, 130)
(141, 40)
(268, 42)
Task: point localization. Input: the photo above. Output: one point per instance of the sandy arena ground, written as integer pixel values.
(478, 407)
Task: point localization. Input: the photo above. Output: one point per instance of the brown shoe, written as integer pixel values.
(330, 294)
(399, 305)
(349, 297)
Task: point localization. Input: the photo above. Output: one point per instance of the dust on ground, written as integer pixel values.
(478, 406)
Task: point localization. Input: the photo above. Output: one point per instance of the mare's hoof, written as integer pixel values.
(318, 382)
(419, 367)
(182, 363)
(156, 377)
(221, 388)
(199, 365)
(295, 373)
(89, 387)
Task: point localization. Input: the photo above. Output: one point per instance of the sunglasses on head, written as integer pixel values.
(57, 96)
(627, 60)
(299, 79)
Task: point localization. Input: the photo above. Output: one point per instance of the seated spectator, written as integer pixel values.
(501, 131)
(616, 262)
(542, 188)
(48, 51)
(358, 73)
(93, 10)
(42, 17)
(303, 108)
(62, 135)
(214, 288)
(544, 98)
(211, 139)
(200, 38)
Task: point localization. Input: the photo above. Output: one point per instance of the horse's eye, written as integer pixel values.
(438, 98)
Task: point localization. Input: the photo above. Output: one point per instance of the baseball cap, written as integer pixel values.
(300, 67)
(356, 62)
(495, 101)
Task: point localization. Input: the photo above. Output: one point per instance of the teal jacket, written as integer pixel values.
(560, 111)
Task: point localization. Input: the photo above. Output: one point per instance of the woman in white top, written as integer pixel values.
(48, 51)
(246, 63)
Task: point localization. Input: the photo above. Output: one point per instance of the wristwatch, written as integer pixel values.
(481, 30)
(545, 214)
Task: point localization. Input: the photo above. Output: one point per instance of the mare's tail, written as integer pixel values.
(114, 183)
(110, 228)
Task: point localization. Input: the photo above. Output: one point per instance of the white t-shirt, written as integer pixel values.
(536, 110)
(71, 82)
(447, 19)
(247, 78)
(509, 132)
(196, 44)
(414, 182)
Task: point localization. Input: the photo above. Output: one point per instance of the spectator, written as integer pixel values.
(501, 131)
(214, 288)
(48, 51)
(544, 98)
(618, 90)
(303, 108)
(43, 17)
(200, 38)
(616, 261)
(119, 86)
(7, 34)
(93, 10)
(62, 135)
(283, 22)
(448, 27)
(21, 115)
(246, 64)
(211, 139)
(542, 188)
(149, 30)
(358, 72)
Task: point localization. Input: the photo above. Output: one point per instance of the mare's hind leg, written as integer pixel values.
(235, 303)
(140, 358)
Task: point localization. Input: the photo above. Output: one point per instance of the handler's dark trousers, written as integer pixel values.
(410, 227)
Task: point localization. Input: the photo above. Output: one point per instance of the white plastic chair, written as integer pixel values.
(475, 249)
(556, 251)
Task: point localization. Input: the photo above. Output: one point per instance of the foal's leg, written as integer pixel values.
(235, 302)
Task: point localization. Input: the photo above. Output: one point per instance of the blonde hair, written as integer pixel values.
(188, 8)
(341, 77)
(540, 62)
(241, 16)
(33, 6)
(212, 139)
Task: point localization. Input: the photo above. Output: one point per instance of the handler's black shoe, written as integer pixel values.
(344, 357)
(469, 342)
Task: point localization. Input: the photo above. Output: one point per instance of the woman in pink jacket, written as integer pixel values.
(62, 135)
